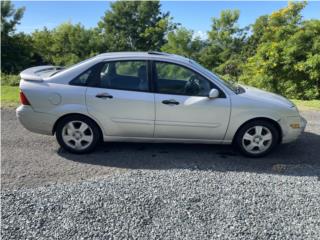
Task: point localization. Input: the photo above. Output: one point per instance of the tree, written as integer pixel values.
(42, 42)
(257, 29)
(16, 49)
(10, 17)
(135, 25)
(302, 62)
(226, 39)
(183, 42)
(287, 59)
(66, 44)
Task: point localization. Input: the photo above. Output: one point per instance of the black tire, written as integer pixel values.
(240, 141)
(94, 130)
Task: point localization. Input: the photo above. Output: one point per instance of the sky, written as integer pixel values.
(194, 15)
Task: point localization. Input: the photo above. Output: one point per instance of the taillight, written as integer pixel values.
(23, 99)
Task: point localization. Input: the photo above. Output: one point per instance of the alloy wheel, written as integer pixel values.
(77, 135)
(257, 139)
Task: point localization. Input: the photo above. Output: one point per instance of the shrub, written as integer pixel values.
(9, 79)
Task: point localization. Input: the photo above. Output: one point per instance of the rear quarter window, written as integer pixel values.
(82, 80)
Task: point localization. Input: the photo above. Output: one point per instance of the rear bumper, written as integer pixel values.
(291, 134)
(34, 121)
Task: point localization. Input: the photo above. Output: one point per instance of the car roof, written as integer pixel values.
(149, 55)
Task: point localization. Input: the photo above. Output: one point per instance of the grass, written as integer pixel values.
(307, 104)
(10, 98)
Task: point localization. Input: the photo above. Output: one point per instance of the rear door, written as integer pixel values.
(183, 109)
(120, 100)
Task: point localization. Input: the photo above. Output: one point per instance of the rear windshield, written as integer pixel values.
(62, 69)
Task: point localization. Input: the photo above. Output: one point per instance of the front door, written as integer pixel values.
(120, 99)
(183, 109)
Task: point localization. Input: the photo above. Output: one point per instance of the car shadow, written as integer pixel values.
(300, 158)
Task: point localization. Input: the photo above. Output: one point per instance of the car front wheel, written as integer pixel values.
(257, 138)
(77, 134)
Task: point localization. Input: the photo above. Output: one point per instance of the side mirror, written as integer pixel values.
(214, 93)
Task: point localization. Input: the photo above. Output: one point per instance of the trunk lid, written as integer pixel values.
(39, 73)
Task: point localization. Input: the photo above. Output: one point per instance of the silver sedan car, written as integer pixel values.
(152, 97)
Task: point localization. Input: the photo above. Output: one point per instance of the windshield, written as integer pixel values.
(229, 84)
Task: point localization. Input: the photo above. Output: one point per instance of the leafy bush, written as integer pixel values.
(10, 79)
(287, 60)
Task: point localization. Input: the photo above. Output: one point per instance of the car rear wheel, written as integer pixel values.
(77, 134)
(257, 138)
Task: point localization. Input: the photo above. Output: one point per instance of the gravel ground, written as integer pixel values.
(158, 191)
(173, 204)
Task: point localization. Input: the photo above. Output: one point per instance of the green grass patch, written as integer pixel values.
(307, 104)
(9, 96)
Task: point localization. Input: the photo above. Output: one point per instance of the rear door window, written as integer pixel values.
(124, 75)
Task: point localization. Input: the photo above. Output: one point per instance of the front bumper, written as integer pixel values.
(303, 122)
(291, 134)
(34, 121)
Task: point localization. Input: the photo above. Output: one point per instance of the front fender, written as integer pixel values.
(238, 118)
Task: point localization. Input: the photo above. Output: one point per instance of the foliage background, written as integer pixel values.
(279, 52)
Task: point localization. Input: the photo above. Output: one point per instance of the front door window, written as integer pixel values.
(178, 80)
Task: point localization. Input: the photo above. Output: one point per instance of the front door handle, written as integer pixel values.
(104, 95)
(170, 102)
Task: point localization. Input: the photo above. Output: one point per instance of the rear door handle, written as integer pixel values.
(104, 95)
(170, 102)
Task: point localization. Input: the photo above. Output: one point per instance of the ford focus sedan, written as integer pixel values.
(152, 97)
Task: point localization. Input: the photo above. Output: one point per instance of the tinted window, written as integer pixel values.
(123, 75)
(126, 75)
(176, 79)
(83, 79)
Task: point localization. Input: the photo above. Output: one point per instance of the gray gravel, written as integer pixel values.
(173, 204)
(158, 191)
